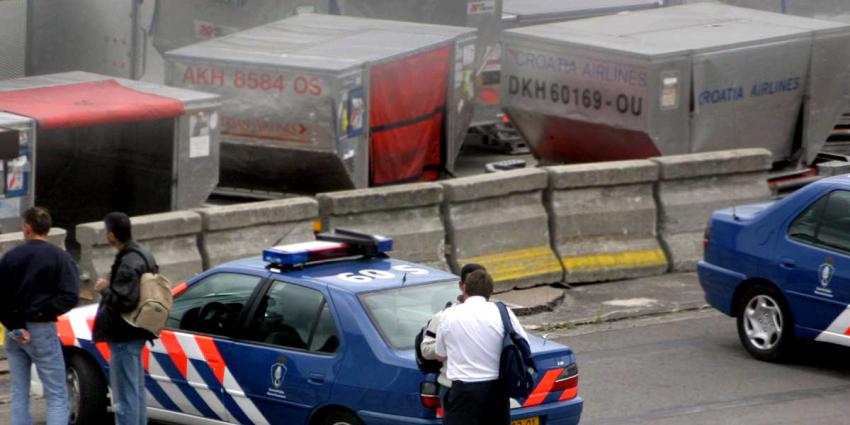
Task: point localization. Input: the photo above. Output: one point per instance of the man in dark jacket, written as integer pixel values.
(120, 294)
(38, 282)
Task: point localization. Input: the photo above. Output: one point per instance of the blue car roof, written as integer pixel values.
(346, 275)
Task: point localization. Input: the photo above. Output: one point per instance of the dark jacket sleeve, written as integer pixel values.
(10, 315)
(68, 290)
(122, 295)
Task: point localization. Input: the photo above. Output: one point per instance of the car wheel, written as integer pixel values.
(86, 391)
(764, 323)
(340, 418)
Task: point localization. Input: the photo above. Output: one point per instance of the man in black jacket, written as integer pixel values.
(39, 282)
(120, 294)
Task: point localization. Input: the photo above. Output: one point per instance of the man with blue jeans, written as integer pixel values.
(38, 282)
(120, 294)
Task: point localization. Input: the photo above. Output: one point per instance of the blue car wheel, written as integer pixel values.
(765, 326)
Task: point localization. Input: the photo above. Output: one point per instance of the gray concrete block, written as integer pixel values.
(494, 185)
(410, 214)
(685, 250)
(171, 237)
(11, 240)
(380, 198)
(713, 163)
(244, 230)
(606, 232)
(507, 234)
(602, 174)
(833, 168)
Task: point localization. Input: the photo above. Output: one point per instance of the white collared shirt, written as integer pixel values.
(470, 336)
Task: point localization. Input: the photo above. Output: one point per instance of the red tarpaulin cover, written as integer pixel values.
(408, 101)
(85, 104)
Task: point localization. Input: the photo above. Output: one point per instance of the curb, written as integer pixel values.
(617, 316)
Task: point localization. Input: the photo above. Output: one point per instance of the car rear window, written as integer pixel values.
(399, 313)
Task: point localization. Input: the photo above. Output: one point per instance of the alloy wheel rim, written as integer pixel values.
(763, 322)
(73, 383)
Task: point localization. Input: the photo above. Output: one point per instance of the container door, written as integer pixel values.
(408, 110)
(101, 36)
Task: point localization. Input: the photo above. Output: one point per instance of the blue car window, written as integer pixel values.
(400, 313)
(834, 229)
(287, 316)
(212, 305)
(804, 227)
(325, 339)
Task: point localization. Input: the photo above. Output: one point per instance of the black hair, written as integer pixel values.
(469, 268)
(119, 224)
(38, 219)
(479, 283)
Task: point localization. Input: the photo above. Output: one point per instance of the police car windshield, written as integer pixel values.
(399, 313)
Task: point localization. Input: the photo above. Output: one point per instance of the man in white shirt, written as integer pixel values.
(429, 339)
(469, 340)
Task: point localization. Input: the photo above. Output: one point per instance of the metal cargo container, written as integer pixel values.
(822, 9)
(318, 102)
(675, 80)
(101, 36)
(98, 144)
(522, 13)
(178, 23)
(13, 38)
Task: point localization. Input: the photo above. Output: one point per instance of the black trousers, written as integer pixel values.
(477, 403)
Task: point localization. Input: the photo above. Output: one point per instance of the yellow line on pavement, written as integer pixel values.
(518, 264)
(617, 260)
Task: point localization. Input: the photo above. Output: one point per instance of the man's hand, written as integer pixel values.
(21, 336)
(101, 284)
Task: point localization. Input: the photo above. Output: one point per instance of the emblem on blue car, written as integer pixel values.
(825, 273)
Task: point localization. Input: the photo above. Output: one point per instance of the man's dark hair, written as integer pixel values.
(119, 224)
(38, 219)
(479, 283)
(469, 268)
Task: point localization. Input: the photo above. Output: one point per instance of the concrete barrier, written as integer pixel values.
(410, 214)
(171, 237)
(498, 220)
(244, 230)
(603, 220)
(692, 186)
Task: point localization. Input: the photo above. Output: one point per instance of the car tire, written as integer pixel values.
(339, 418)
(86, 391)
(765, 325)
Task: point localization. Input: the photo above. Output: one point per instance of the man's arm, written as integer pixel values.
(517, 326)
(10, 314)
(122, 294)
(429, 339)
(440, 352)
(68, 289)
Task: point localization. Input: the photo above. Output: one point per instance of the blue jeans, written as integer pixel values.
(127, 379)
(45, 352)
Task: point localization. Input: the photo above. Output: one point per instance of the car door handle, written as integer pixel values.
(787, 263)
(316, 378)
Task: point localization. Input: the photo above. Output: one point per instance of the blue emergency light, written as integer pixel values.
(338, 244)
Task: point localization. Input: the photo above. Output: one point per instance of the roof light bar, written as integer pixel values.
(338, 244)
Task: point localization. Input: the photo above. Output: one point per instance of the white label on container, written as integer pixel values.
(199, 146)
(481, 7)
(199, 139)
(669, 92)
(468, 55)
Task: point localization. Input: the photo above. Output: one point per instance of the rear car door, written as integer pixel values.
(815, 259)
(293, 343)
(187, 364)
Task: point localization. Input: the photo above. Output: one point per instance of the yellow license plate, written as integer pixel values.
(534, 420)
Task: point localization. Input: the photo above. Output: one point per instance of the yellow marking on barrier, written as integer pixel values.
(518, 264)
(618, 260)
(2, 335)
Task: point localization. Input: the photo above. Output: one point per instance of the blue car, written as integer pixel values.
(315, 333)
(782, 269)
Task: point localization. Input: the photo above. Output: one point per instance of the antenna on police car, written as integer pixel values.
(284, 236)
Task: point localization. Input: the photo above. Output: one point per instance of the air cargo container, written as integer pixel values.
(84, 144)
(320, 102)
(675, 80)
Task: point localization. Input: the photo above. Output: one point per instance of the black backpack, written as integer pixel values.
(425, 365)
(517, 369)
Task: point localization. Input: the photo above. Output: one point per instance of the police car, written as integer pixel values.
(312, 333)
(783, 268)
